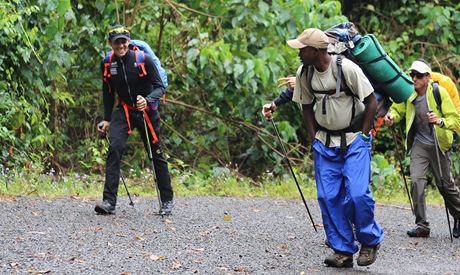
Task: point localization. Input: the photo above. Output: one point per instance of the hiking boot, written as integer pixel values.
(166, 208)
(105, 208)
(419, 232)
(367, 255)
(339, 260)
(456, 230)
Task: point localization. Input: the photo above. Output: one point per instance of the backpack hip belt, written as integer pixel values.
(127, 108)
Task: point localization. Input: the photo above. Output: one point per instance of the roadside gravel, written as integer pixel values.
(205, 235)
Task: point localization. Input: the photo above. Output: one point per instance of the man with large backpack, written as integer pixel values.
(339, 127)
(429, 136)
(134, 77)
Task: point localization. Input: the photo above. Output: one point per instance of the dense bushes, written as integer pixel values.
(222, 57)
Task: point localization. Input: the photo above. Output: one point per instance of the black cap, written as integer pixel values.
(118, 31)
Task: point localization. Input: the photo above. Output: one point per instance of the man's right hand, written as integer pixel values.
(389, 120)
(102, 127)
(268, 109)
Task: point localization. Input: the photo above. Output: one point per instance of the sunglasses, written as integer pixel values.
(417, 75)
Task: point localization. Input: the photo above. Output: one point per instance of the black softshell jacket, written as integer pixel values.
(127, 84)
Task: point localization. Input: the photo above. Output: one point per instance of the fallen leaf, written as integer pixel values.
(35, 214)
(198, 249)
(283, 246)
(227, 218)
(157, 258)
(98, 229)
(256, 210)
(168, 221)
(176, 265)
(124, 273)
(239, 269)
(139, 238)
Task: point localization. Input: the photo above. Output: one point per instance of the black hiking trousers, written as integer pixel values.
(118, 137)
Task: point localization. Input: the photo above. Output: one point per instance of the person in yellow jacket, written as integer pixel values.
(447, 83)
(427, 131)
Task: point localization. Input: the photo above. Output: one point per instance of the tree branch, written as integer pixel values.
(240, 123)
(175, 5)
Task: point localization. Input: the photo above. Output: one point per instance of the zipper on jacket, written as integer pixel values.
(126, 80)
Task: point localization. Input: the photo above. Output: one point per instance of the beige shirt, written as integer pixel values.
(337, 109)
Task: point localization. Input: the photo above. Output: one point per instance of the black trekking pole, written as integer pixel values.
(292, 172)
(121, 174)
(440, 176)
(402, 170)
(150, 155)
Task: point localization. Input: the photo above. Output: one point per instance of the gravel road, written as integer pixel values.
(205, 235)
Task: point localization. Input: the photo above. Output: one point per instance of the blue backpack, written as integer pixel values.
(140, 48)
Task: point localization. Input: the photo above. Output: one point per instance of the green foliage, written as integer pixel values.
(385, 179)
(223, 59)
(415, 29)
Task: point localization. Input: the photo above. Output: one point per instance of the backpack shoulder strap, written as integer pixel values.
(338, 72)
(106, 73)
(437, 95)
(309, 75)
(140, 61)
(107, 62)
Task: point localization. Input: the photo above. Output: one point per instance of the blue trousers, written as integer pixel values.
(344, 196)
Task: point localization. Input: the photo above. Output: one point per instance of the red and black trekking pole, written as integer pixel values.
(440, 177)
(292, 172)
(402, 170)
(121, 175)
(150, 155)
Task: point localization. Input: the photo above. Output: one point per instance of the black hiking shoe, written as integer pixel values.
(166, 208)
(419, 232)
(339, 260)
(105, 208)
(456, 230)
(367, 255)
